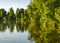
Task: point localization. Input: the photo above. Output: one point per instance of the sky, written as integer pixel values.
(6, 4)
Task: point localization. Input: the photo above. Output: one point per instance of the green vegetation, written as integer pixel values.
(46, 16)
(41, 18)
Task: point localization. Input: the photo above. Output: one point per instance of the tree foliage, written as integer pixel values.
(43, 17)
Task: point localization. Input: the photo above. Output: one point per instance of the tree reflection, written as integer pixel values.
(22, 26)
(11, 26)
(40, 33)
(2, 27)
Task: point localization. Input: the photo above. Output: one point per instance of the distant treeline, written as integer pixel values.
(37, 11)
(11, 16)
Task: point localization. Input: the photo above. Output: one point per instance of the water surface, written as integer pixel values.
(8, 36)
(28, 33)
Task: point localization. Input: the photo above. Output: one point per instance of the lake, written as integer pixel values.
(13, 36)
(27, 33)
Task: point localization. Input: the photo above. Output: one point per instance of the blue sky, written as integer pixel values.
(6, 4)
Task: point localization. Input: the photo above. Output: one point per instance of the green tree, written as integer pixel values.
(46, 13)
(17, 12)
(11, 15)
(22, 12)
(2, 15)
(19, 15)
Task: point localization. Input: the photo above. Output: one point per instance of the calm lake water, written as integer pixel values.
(27, 33)
(7, 36)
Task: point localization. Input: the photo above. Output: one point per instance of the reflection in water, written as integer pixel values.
(19, 26)
(36, 32)
(14, 33)
(11, 26)
(2, 27)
